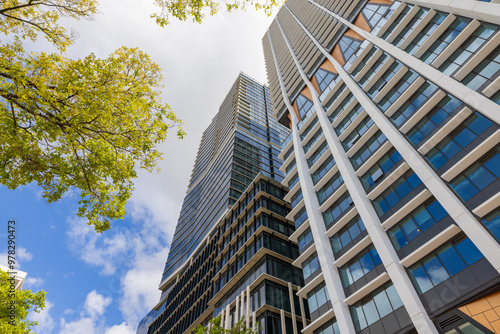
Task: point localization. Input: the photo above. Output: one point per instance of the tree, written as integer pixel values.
(23, 300)
(80, 126)
(214, 327)
(197, 9)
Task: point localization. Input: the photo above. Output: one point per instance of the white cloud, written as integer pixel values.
(81, 326)
(140, 251)
(96, 249)
(45, 322)
(91, 318)
(23, 255)
(33, 282)
(123, 328)
(140, 285)
(95, 304)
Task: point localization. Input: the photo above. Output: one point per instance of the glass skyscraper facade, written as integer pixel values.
(393, 161)
(230, 254)
(242, 141)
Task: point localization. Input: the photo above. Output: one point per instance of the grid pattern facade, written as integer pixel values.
(242, 270)
(393, 160)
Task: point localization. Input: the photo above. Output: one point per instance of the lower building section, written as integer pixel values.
(241, 271)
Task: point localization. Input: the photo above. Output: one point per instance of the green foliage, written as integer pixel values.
(24, 301)
(214, 327)
(28, 18)
(76, 125)
(197, 9)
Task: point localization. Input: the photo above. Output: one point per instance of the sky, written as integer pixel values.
(106, 283)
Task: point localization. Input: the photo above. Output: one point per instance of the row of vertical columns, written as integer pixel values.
(379, 238)
(451, 203)
(244, 311)
(483, 104)
(318, 229)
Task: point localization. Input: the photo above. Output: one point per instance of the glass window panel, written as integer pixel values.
(480, 177)
(366, 262)
(479, 124)
(386, 164)
(492, 223)
(469, 251)
(420, 279)
(336, 245)
(392, 199)
(356, 271)
(410, 229)
(435, 270)
(464, 138)
(345, 275)
(358, 318)
(321, 295)
(345, 238)
(380, 206)
(493, 165)
(375, 256)
(403, 189)
(413, 180)
(437, 211)
(313, 304)
(354, 231)
(398, 239)
(394, 297)
(436, 158)
(451, 260)
(452, 148)
(423, 219)
(383, 304)
(370, 312)
(464, 188)
(469, 328)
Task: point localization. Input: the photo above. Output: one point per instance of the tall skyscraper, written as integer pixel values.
(394, 153)
(242, 140)
(230, 254)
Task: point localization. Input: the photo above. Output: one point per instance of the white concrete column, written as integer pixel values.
(303, 312)
(370, 218)
(254, 319)
(479, 102)
(242, 301)
(318, 228)
(237, 309)
(292, 307)
(248, 307)
(283, 322)
(228, 318)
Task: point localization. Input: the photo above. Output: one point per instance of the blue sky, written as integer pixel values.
(105, 283)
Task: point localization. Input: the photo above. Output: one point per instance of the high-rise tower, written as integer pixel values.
(242, 140)
(230, 255)
(394, 155)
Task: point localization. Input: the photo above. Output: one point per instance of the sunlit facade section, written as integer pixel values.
(393, 160)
